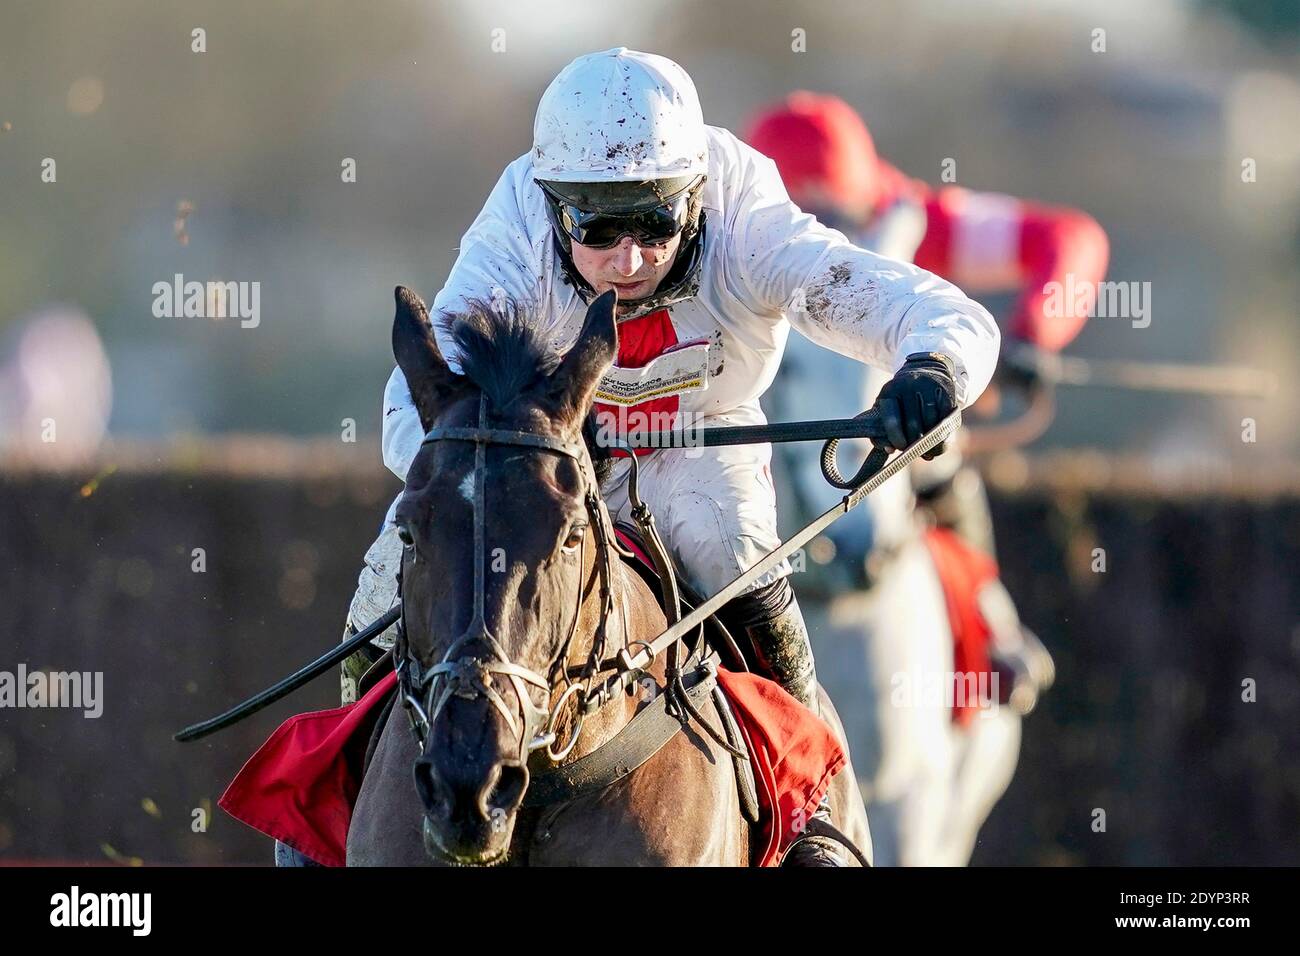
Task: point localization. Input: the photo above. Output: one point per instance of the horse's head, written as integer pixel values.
(501, 563)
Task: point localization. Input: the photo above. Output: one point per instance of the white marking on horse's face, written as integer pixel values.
(467, 488)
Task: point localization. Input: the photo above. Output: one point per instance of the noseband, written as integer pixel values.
(472, 675)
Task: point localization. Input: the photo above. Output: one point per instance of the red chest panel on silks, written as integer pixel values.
(642, 392)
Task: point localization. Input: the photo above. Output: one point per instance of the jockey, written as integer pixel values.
(985, 242)
(626, 188)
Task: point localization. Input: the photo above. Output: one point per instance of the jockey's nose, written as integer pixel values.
(627, 259)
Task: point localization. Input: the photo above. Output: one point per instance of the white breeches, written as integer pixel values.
(715, 508)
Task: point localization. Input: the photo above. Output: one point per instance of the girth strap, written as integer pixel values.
(746, 786)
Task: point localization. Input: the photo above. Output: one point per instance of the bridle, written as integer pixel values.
(460, 673)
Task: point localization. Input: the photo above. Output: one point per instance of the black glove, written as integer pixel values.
(920, 395)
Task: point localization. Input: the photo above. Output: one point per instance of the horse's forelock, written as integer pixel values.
(500, 349)
(504, 354)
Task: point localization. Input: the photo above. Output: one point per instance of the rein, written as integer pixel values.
(470, 676)
(874, 473)
(465, 676)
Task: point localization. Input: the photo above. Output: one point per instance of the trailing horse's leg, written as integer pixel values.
(878, 651)
(987, 752)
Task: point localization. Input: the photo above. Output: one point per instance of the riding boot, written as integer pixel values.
(772, 621)
(770, 617)
(355, 666)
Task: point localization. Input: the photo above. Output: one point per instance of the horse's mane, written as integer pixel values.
(500, 351)
(503, 354)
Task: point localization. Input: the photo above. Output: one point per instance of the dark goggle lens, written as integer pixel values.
(599, 230)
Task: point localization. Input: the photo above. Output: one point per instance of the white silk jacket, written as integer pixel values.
(765, 266)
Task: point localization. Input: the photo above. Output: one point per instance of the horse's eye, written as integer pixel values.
(404, 533)
(575, 537)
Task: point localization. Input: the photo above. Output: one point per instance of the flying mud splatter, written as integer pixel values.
(183, 210)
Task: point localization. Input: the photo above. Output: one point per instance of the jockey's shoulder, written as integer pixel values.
(961, 203)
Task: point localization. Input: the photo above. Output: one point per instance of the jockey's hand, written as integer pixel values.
(920, 395)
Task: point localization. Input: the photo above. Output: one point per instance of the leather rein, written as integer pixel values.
(472, 675)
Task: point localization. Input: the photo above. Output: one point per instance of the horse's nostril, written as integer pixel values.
(432, 793)
(507, 790)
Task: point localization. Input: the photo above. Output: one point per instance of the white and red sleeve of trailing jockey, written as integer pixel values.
(765, 267)
(990, 242)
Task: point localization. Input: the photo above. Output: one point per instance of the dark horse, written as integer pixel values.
(509, 588)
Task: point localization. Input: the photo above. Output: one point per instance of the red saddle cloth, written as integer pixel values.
(301, 785)
(963, 570)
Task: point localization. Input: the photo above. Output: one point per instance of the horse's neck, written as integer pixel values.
(628, 621)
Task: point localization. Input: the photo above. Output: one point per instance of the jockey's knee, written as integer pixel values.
(762, 603)
(714, 539)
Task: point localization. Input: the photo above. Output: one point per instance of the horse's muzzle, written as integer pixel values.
(469, 812)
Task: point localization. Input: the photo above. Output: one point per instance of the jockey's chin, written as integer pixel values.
(630, 293)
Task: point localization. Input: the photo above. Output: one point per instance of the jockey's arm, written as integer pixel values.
(993, 242)
(857, 303)
(1062, 246)
(494, 260)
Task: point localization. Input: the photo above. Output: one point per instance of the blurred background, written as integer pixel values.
(184, 433)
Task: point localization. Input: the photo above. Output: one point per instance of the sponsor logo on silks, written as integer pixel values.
(680, 369)
(134, 910)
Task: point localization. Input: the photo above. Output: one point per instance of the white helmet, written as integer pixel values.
(619, 116)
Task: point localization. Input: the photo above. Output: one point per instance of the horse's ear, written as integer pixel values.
(572, 385)
(427, 375)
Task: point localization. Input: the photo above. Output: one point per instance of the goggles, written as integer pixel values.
(600, 229)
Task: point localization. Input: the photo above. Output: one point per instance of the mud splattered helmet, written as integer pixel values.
(619, 148)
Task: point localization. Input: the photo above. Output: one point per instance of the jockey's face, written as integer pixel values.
(634, 271)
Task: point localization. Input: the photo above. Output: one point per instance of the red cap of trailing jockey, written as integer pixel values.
(822, 149)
